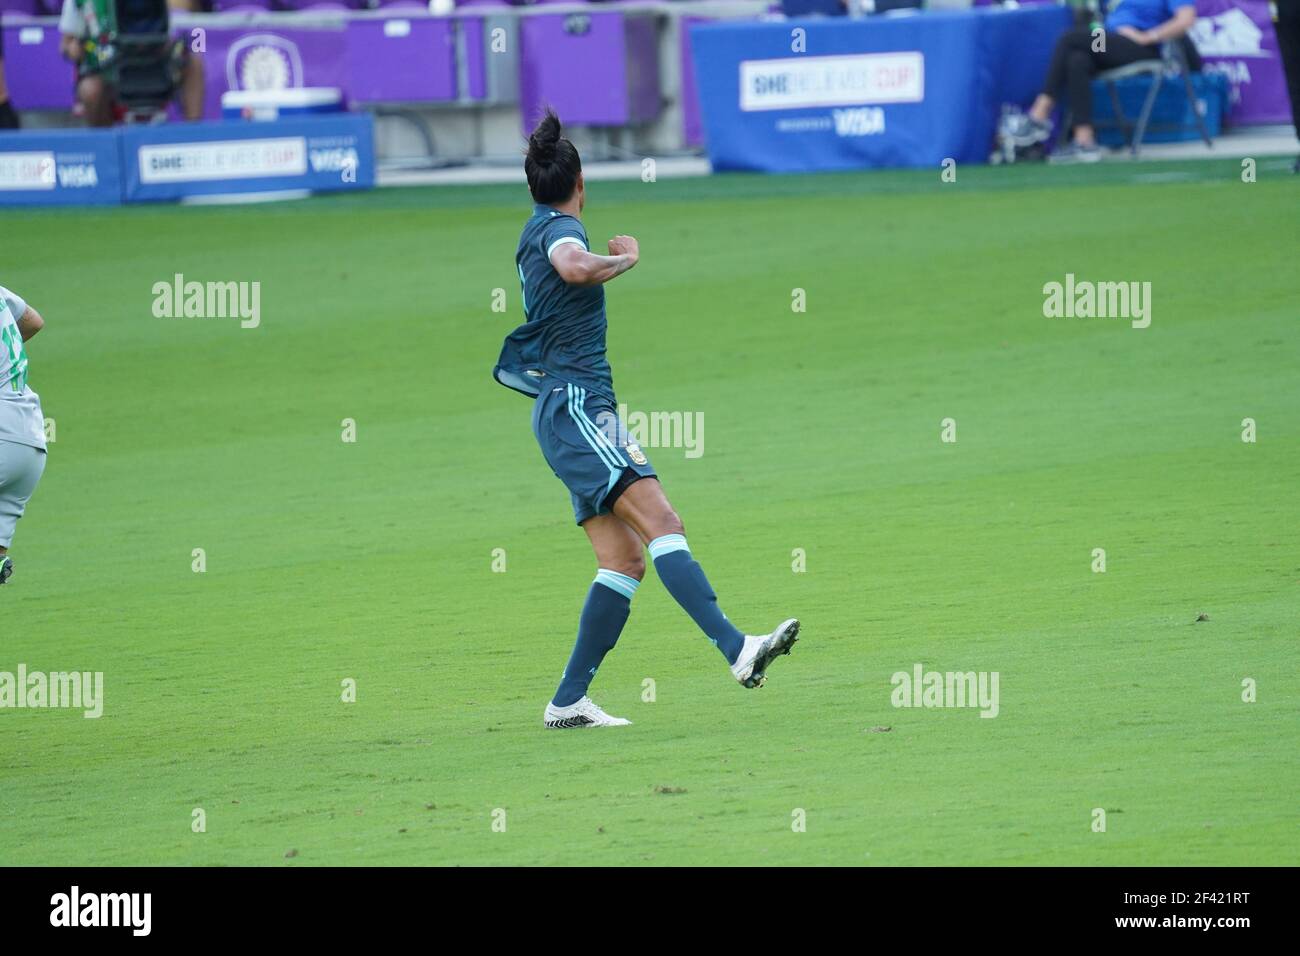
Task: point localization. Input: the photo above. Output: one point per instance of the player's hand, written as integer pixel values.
(1137, 36)
(625, 246)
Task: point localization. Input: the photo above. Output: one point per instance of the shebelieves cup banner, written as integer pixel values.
(314, 153)
(60, 167)
(805, 95)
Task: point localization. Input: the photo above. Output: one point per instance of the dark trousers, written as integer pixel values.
(1288, 45)
(1074, 64)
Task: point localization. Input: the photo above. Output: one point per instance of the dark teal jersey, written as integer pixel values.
(563, 334)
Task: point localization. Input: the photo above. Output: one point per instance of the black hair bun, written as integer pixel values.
(552, 164)
(545, 139)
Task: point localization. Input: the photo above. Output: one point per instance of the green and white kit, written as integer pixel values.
(22, 424)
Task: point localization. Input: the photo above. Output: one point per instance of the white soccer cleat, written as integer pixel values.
(581, 713)
(759, 652)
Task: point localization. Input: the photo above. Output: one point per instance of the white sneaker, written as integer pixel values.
(581, 713)
(758, 653)
(1074, 153)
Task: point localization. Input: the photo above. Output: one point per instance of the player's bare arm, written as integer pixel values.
(577, 266)
(30, 323)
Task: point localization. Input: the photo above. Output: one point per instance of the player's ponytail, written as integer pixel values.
(552, 164)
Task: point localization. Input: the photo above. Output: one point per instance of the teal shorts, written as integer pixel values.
(586, 446)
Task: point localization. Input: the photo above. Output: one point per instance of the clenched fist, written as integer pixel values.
(625, 246)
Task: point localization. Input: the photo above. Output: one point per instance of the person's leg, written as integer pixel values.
(620, 565)
(192, 81)
(21, 467)
(1078, 73)
(645, 507)
(1055, 83)
(8, 118)
(96, 100)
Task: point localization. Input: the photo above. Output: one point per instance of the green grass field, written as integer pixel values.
(372, 560)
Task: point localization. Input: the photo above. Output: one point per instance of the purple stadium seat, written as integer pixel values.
(396, 5)
(29, 7)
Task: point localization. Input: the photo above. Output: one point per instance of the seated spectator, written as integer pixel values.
(1133, 30)
(79, 24)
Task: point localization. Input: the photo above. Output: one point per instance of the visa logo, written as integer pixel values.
(78, 175)
(861, 121)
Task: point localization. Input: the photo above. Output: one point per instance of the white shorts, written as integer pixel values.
(21, 467)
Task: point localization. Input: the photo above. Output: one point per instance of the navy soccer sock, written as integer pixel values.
(685, 581)
(608, 604)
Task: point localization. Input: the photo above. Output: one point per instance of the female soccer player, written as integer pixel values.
(22, 426)
(558, 357)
